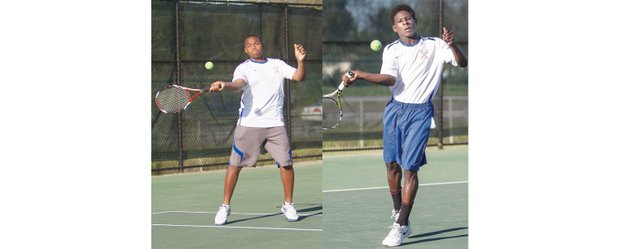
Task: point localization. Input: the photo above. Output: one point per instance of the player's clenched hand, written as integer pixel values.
(448, 36)
(350, 80)
(217, 86)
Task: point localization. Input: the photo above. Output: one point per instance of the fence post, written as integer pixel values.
(450, 120)
(178, 81)
(361, 116)
(287, 83)
(440, 103)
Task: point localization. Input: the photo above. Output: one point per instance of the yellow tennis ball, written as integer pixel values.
(209, 65)
(376, 45)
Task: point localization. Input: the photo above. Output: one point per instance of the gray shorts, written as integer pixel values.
(247, 142)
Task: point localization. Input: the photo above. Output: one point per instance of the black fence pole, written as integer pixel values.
(287, 83)
(441, 87)
(178, 81)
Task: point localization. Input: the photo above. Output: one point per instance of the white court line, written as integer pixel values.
(241, 227)
(382, 187)
(250, 214)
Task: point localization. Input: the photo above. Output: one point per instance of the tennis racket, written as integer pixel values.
(332, 106)
(176, 98)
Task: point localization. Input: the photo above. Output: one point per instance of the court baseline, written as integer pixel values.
(384, 187)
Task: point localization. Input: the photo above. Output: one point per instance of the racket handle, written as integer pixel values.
(342, 85)
(350, 74)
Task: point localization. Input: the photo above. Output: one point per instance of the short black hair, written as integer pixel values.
(400, 8)
(252, 35)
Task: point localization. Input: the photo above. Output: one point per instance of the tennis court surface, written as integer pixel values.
(183, 207)
(358, 205)
(343, 202)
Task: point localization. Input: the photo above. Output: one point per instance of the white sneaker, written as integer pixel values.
(222, 214)
(289, 212)
(395, 214)
(396, 235)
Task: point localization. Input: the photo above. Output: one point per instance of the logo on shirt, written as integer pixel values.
(424, 53)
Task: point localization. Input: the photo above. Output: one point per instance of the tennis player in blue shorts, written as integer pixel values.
(261, 119)
(412, 68)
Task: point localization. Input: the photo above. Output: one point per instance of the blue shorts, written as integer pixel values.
(406, 129)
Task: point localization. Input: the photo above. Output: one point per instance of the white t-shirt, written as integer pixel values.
(262, 102)
(417, 68)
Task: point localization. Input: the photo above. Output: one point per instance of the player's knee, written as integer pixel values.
(410, 174)
(234, 169)
(290, 167)
(393, 166)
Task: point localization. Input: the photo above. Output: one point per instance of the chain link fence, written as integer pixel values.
(336, 34)
(187, 34)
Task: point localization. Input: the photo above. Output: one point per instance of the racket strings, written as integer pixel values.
(331, 113)
(173, 99)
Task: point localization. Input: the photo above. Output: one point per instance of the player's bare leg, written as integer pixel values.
(409, 191)
(287, 175)
(394, 175)
(400, 229)
(232, 174)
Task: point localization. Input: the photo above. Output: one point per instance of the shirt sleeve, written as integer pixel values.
(446, 52)
(240, 73)
(285, 70)
(389, 65)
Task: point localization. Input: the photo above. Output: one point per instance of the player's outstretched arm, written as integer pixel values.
(300, 55)
(448, 37)
(381, 79)
(234, 86)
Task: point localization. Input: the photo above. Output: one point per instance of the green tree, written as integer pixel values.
(338, 23)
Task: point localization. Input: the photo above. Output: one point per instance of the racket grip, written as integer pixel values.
(342, 85)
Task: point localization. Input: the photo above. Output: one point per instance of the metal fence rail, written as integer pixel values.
(362, 125)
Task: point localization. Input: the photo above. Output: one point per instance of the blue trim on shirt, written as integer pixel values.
(391, 44)
(259, 62)
(241, 112)
(407, 45)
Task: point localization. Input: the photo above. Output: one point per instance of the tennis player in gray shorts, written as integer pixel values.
(261, 119)
(248, 140)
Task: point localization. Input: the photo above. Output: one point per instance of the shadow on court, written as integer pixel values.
(436, 233)
(318, 208)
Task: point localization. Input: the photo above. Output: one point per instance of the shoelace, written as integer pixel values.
(394, 215)
(400, 229)
(393, 227)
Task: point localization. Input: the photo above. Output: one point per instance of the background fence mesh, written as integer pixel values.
(336, 34)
